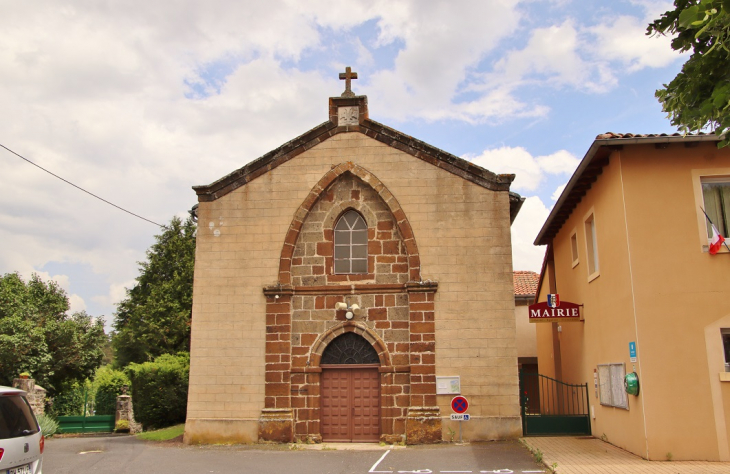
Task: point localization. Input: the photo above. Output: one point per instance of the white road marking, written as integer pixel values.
(464, 472)
(372, 469)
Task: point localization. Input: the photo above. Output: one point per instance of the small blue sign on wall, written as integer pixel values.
(632, 351)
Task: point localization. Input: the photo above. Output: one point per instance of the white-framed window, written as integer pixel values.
(351, 243)
(716, 198)
(712, 193)
(611, 385)
(591, 245)
(574, 247)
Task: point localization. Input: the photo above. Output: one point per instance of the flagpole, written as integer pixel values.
(713, 225)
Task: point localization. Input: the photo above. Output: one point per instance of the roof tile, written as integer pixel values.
(525, 282)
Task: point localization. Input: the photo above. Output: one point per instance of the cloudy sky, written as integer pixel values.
(137, 101)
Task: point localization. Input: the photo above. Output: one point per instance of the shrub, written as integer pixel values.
(122, 426)
(69, 400)
(108, 383)
(160, 390)
(48, 425)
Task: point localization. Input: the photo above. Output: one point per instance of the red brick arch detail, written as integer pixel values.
(315, 355)
(404, 227)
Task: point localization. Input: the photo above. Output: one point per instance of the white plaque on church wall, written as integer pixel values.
(448, 385)
(348, 115)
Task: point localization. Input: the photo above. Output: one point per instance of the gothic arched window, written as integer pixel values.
(351, 244)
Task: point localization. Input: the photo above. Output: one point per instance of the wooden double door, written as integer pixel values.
(350, 403)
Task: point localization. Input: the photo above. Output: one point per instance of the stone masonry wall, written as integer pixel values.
(313, 253)
(464, 244)
(385, 315)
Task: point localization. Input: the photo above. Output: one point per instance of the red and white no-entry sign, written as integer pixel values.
(459, 404)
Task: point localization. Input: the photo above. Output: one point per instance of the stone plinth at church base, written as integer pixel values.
(276, 425)
(220, 431)
(423, 425)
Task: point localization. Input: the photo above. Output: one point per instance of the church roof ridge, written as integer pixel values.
(370, 128)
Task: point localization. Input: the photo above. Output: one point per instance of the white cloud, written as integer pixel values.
(442, 46)
(560, 162)
(530, 171)
(553, 56)
(624, 40)
(525, 255)
(117, 292)
(364, 55)
(136, 101)
(558, 191)
(76, 303)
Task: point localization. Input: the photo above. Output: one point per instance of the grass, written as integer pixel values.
(164, 434)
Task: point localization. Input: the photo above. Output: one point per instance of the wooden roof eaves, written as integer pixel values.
(591, 166)
(372, 129)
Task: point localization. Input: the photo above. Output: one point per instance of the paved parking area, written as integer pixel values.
(119, 455)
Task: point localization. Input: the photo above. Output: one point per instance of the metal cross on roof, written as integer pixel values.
(347, 76)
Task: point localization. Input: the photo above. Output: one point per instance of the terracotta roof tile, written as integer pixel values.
(610, 135)
(525, 282)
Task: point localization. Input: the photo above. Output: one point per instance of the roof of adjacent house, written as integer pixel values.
(373, 129)
(525, 283)
(591, 167)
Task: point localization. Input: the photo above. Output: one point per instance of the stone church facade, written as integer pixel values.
(337, 277)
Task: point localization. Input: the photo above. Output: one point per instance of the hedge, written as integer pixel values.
(69, 400)
(108, 383)
(160, 390)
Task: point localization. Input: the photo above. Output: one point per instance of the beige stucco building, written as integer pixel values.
(337, 277)
(629, 241)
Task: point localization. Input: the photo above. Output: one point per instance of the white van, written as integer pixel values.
(21, 440)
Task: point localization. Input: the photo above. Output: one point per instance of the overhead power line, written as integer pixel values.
(80, 188)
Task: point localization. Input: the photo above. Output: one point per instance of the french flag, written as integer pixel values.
(716, 241)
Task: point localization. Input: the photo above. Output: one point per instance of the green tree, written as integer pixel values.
(154, 318)
(38, 336)
(699, 96)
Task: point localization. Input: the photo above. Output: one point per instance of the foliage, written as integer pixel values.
(154, 318)
(165, 434)
(122, 426)
(699, 96)
(48, 425)
(39, 337)
(69, 400)
(160, 390)
(108, 383)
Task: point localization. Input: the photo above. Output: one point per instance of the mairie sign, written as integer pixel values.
(554, 310)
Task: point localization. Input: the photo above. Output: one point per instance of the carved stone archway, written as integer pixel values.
(404, 227)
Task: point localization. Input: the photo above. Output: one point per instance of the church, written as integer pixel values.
(348, 285)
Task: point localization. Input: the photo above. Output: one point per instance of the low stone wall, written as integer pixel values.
(36, 394)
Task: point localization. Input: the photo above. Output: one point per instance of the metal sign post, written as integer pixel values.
(460, 404)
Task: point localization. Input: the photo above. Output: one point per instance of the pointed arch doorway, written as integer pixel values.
(350, 391)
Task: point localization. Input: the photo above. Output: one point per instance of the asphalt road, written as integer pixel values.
(117, 455)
